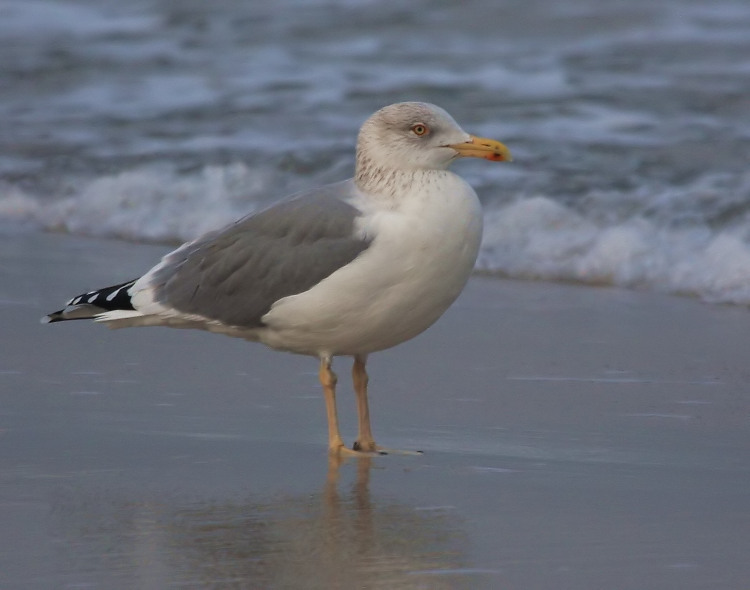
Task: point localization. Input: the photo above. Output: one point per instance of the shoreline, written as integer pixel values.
(565, 429)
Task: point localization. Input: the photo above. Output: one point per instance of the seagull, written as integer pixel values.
(348, 269)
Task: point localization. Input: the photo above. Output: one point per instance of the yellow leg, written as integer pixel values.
(365, 441)
(365, 445)
(328, 381)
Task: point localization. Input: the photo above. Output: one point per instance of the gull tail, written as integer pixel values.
(113, 301)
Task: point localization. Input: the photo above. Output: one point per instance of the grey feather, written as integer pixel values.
(236, 274)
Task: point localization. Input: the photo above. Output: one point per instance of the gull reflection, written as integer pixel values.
(340, 537)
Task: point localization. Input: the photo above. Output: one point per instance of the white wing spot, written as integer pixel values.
(92, 298)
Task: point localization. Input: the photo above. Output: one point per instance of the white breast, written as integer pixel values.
(423, 252)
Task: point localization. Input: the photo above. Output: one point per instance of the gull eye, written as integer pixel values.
(420, 129)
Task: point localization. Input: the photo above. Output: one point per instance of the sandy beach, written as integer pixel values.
(573, 437)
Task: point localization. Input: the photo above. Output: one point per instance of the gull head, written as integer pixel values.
(417, 136)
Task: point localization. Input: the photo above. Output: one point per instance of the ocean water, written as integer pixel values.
(156, 120)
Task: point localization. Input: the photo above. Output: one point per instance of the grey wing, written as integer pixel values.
(236, 274)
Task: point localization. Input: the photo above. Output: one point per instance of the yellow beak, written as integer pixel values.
(481, 147)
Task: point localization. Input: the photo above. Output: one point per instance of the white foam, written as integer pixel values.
(147, 204)
(540, 238)
(659, 239)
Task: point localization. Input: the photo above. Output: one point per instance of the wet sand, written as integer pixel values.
(574, 438)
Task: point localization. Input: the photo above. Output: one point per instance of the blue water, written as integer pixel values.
(157, 120)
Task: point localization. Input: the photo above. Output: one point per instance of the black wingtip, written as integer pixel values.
(90, 305)
(56, 316)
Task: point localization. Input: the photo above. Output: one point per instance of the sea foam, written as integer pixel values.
(542, 239)
(534, 237)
